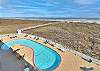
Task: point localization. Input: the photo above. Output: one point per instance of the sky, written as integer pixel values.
(50, 8)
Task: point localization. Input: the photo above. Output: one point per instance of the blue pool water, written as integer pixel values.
(44, 57)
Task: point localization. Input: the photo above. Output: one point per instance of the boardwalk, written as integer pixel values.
(33, 27)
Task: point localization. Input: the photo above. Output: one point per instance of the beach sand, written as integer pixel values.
(11, 25)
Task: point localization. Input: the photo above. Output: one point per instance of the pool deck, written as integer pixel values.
(26, 53)
(69, 61)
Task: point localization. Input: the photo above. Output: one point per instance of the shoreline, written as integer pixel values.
(84, 20)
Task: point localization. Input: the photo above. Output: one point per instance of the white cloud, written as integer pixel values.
(84, 2)
(1, 7)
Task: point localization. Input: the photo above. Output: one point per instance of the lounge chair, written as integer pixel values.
(15, 50)
(86, 69)
(37, 38)
(46, 41)
(60, 49)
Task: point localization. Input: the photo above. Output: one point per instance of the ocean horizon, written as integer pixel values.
(55, 19)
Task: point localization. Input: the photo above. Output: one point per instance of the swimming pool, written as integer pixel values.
(44, 57)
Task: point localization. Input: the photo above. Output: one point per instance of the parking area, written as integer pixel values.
(9, 62)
